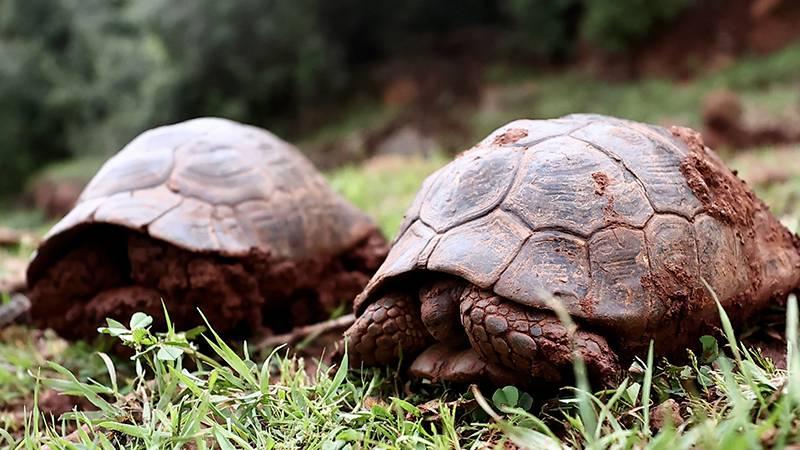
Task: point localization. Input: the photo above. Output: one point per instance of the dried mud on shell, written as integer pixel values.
(724, 195)
(115, 272)
(727, 198)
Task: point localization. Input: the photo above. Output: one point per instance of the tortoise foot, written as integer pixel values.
(388, 329)
(532, 343)
(441, 362)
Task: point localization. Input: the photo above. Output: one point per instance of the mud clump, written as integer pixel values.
(115, 272)
(510, 136)
(601, 182)
(666, 413)
(762, 237)
(724, 196)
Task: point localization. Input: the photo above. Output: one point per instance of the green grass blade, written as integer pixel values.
(646, 386)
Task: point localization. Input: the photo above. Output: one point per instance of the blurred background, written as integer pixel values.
(380, 93)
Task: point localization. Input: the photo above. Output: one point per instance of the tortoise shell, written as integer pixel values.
(616, 220)
(215, 185)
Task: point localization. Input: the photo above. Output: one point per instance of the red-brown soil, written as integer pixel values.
(724, 124)
(711, 34)
(114, 272)
(707, 36)
(56, 197)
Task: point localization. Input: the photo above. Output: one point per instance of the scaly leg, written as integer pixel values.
(531, 343)
(388, 328)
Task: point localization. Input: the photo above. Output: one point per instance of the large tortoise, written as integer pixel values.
(208, 214)
(617, 222)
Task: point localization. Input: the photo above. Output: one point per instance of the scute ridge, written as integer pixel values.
(617, 160)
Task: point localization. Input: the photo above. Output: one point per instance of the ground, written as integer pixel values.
(187, 391)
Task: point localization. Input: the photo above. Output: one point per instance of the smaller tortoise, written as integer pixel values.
(617, 222)
(208, 214)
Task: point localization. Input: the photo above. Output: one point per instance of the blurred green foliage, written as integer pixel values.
(616, 25)
(77, 77)
(82, 77)
(543, 28)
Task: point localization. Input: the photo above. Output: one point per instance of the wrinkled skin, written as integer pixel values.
(455, 331)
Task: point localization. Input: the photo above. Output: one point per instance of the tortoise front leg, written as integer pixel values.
(388, 328)
(17, 310)
(532, 343)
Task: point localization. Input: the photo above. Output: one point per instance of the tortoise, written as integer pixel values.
(615, 222)
(211, 214)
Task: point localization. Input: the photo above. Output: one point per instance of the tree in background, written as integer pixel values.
(82, 77)
(246, 59)
(542, 29)
(617, 25)
(79, 77)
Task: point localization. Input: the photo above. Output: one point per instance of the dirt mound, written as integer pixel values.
(56, 197)
(707, 36)
(712, 34)
(725, 124)
(114, 272)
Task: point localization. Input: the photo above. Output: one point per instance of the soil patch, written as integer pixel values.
(510, 136)
(56, 197)
(711, 34)
(601, 182)
(114, 272)
(724, 124)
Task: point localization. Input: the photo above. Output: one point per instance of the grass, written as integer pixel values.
(172, 395)
(768, 84)
(384, 187)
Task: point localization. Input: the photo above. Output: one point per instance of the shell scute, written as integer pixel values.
(480, 249)
(567, 184)
(550, 263)
(216, 185)
(469, 187)
(655, 162)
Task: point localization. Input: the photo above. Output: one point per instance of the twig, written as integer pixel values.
(13, 310)
(308, 330)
